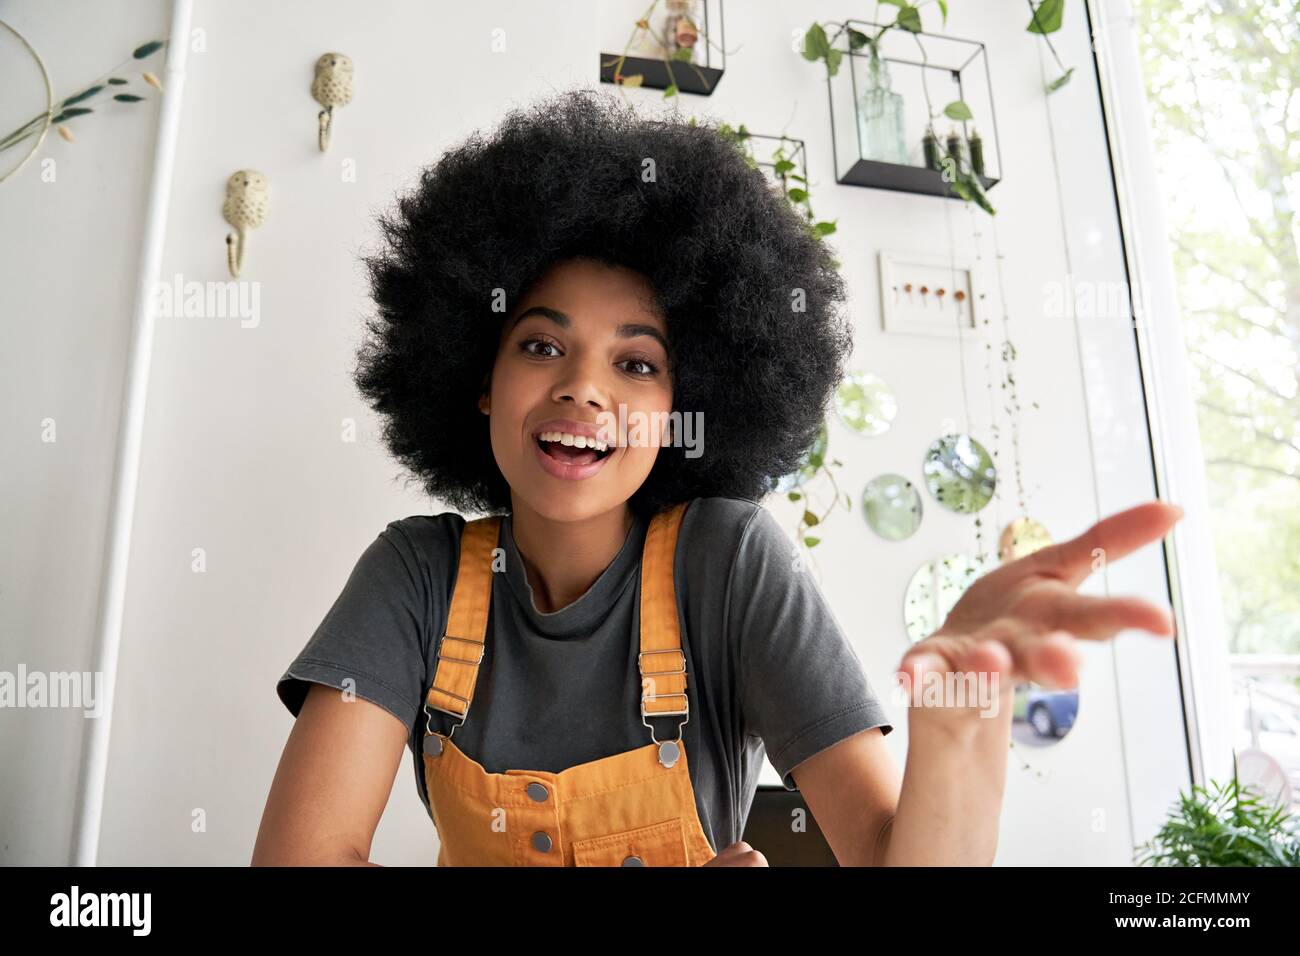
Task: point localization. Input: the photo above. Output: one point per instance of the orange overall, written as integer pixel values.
(635, 808)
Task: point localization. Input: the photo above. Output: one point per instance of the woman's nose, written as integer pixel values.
(582, 383)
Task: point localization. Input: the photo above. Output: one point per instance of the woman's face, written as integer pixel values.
(584, 350)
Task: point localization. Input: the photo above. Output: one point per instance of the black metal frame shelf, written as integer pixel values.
(961, 64)
(797, 153)
(698, 78)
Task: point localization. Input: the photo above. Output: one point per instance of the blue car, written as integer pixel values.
(1051, 712)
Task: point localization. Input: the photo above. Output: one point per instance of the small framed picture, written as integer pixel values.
(927, 295)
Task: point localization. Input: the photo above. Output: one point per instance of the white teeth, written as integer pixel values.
(577, 441)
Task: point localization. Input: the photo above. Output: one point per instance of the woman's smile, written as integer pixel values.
(570, 462)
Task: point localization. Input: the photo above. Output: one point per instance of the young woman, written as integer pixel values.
(591, 673)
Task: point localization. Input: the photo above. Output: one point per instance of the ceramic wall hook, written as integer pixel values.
(244, 208)
(330, 87)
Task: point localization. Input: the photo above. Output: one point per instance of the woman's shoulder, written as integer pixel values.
(722, 511)
(720, 524)
(430, 541)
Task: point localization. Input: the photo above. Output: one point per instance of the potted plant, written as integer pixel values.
(1223, 826)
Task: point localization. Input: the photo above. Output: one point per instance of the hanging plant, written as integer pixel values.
(785, 170)
(814, 466)
(815, 463)
(955, 167)
(1044, 19)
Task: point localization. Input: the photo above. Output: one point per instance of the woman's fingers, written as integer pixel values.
(738, 854)
(1108, 540)
(1050, 660)
(1051, 606)
(1021, 652)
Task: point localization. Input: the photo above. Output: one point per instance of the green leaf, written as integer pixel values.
(115, 81)
(632, 80)
(810, 519)
(1060, 81)
(957, 110)
(812, 542)
(83, 95)
(683, 54)
(833, 62)
(793, 495)
(909, 18)
(782, 166)
(151, 47)
(68, 114)
(943, 8)
(815, 44)
(670, 90)
(1047, 17)
(895, 3)
(975, 191)
(857, 39)
(799, 179)
(128, 98)
(824, 228)
(797, 194)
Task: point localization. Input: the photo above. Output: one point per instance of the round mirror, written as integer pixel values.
(865, 403)
(1021, 537)
(1041, 716)
(808, 465)
(892, 506)
(960, 473)
(934, 589)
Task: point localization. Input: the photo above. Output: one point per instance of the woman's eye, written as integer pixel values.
(649, 367)
(527, 347)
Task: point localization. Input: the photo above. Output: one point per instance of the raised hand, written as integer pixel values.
(1022, 620)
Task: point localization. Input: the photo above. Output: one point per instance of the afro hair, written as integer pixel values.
(748, 293)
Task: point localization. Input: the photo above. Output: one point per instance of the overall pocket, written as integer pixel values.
(660, 844)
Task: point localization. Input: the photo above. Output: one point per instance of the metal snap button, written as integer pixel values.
(537, 791)
(633, 861)
(669, 752)
(541, 842)
(432, 745)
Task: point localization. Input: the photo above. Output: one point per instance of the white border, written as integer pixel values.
(890, 260)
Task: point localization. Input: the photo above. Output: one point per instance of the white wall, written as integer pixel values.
(242, 449)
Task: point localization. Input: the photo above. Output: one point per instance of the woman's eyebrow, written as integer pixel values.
(625, 331)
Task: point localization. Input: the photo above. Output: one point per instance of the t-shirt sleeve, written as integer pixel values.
(372, 639)
(803, 687)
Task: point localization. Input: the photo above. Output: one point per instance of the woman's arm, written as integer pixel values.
(945, 811)
(1017, 624)
(951, 800)
(332, 784)
(852, 789)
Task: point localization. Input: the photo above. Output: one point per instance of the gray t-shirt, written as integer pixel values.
(767, 664)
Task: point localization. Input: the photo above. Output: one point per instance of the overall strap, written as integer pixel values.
(661, 661)
(460, 650)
